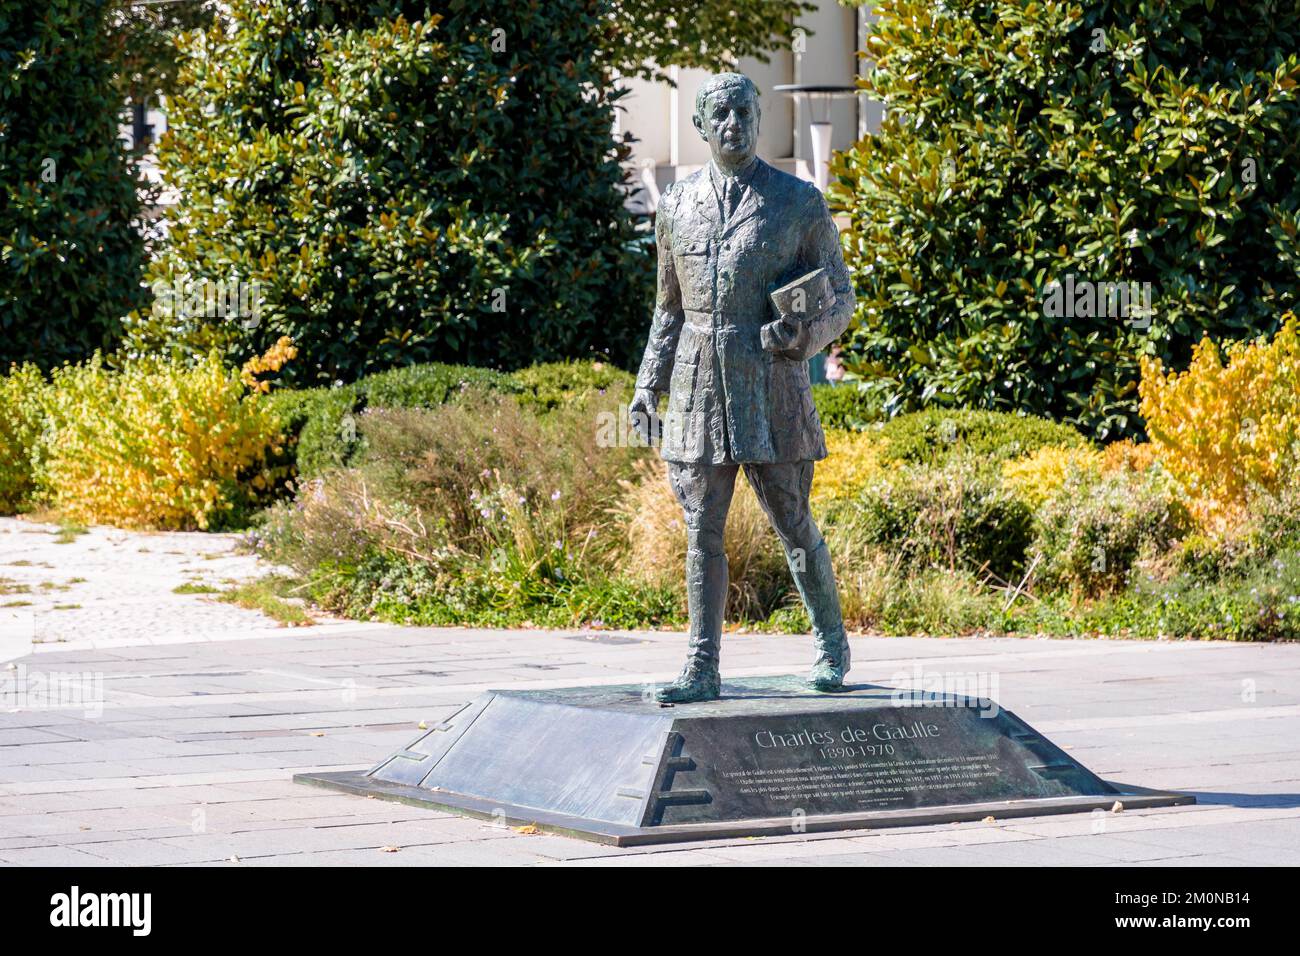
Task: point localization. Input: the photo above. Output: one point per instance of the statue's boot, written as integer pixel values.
(706, 599)
(816, 584)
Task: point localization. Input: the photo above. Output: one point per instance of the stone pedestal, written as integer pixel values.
(769, 757)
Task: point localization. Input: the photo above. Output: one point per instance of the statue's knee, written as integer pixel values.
(800, 552)
(799, 533)
(705, 541)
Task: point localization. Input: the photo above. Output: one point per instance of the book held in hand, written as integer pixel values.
(805, 298)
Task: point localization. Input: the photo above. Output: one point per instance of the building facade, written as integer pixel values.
(825, 51)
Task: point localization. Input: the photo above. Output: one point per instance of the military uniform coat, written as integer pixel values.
(729, 401)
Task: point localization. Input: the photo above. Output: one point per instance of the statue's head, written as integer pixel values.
(726, 115)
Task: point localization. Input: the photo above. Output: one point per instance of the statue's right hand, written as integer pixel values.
(642, 412)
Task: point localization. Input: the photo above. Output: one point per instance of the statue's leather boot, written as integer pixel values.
(706, 599)
(833, 662)
(816, 584)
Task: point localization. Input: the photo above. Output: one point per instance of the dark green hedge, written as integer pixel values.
(846, 407)
(323, 422)
(956, 516)
(552, 384)
(935, 435)
(70, 259)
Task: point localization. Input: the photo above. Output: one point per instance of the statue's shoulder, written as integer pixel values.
(800, 199)
(678, 190)
(783, 183)
(676, 203)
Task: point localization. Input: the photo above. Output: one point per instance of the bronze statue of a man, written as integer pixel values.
(735, 368)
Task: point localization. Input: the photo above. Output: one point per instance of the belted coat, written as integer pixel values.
(729, 401)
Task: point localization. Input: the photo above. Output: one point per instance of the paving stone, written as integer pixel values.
(51, 856)
(135, 853)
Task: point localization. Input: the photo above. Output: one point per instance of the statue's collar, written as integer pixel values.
(708, 196)
(742, 175)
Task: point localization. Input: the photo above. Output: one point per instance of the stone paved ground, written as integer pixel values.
(189, 760)
(181, 745)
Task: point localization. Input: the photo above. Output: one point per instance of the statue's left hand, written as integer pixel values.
(642, 412)
(785, 339)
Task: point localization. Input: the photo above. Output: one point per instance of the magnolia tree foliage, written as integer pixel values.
(1044, 161)
(70, 254)
(397, 182)
(644, 36)
(144, 40)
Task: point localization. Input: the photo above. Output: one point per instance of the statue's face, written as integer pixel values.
(730, 125)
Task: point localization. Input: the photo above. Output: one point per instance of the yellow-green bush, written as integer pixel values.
(852, 462)
(1038, 475)
(21, 418)
(154, 444)
(1229, 427)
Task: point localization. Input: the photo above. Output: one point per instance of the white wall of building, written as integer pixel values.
(659, 114)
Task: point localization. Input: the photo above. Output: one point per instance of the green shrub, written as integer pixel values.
(935, 435)
(428, 386)
(328, 437)
(846, 407)
(1274, 521)
(322, 422)
(442, 185)
(548, 530)
(1270, 526)
(1209, 558)
(403, 590)
(295, 407)
(1092, 532)
(296, 410)
(957, 516)
(70, 255)
(552, 384)
(1109, 140)
(1264, 605)
(483, 512)
(22, 422)
(888, 600)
